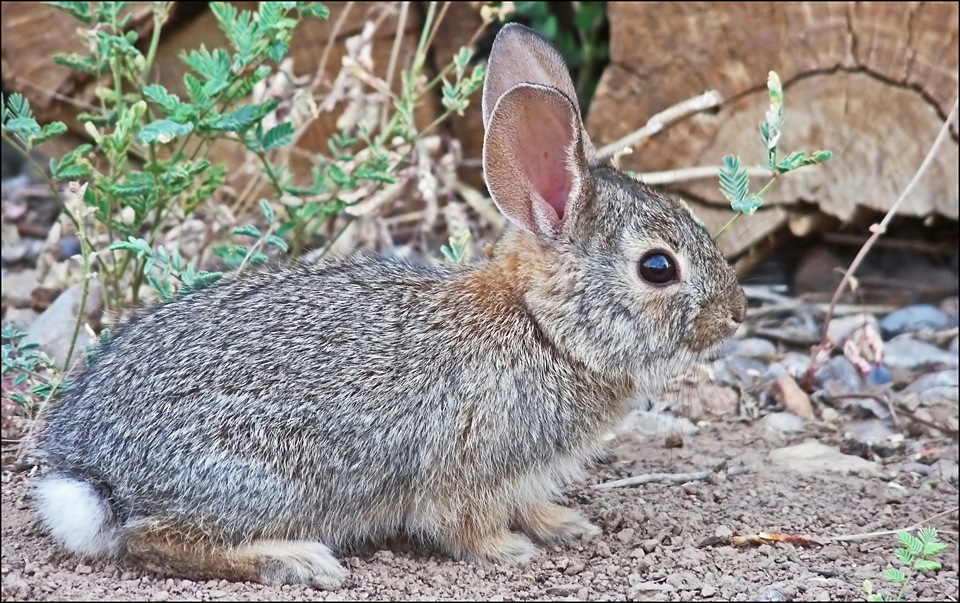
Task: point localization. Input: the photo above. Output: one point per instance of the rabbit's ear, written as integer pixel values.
(520, 56)
(535, 159)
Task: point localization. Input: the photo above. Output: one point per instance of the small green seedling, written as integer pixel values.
(916, 556)
(735, 183)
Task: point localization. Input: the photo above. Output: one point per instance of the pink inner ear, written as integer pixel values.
(545, 158)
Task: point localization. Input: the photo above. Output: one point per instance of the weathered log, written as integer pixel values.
(871, 82)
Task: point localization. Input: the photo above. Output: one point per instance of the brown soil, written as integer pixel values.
(659, 542)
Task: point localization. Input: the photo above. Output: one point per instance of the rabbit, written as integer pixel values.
(250, 430)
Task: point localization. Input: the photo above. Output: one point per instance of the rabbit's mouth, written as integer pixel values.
(717, 322)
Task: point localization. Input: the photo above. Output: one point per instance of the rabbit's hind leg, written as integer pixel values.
(169, 546)
(552, 523)
(481, 536)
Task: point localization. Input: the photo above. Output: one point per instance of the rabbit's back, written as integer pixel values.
(310, 401)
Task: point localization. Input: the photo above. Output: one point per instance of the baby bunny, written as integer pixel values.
(249, 430)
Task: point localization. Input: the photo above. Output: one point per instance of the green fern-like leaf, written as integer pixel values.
(79, 10)
(249, 231)
(927, 534)
(16, 106)
(926, 565)
(163, 131)
(733, 181)
(49, 131)
(277, 137)
(267, 210)
(894, 575)
(314, 9)
(904, 556)
(911, 543)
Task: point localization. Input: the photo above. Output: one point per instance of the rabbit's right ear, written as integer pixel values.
(535, 158)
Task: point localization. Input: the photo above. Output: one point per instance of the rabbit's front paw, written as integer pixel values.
(549, 522)
(295, 562)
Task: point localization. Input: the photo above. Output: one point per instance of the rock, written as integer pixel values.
(948, 378)
(913, 318)
(914, 467)
(723, 531)
(54, 328)
(695, 401)
(69, 247)
(842, 371)
(912, 354)
(20, 317)
(783, 423)
(650, 423)
(794, 364)
(812, 457)
(947, 469)
(707, 591)
(18, 287)
(955, 345)
(873, 432)
(738, 371)
(843, 327)
(649, 545)
(879, 375)
(867, 407)
(793, 399)
(755, 347)
(944, 393)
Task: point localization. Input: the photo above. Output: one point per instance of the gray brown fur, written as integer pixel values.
(240, 431)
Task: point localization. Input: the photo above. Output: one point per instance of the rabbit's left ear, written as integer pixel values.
(534, 159)
(520, 56)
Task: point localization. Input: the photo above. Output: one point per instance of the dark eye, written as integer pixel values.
(658, 268)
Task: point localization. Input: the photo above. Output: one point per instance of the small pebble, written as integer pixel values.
(69, 247)
(783, 422)
(873, 432)
(723, 531)
(879, 375)
(707, 591)
(649, 545)
(755, 347)
(843, 327)
(955, 345)
(914, 467)
(795, 364)
(913, 318)
(841, 370)
(912, 354)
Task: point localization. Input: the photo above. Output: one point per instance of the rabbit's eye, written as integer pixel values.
(657, 267)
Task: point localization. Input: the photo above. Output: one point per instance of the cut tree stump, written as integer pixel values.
(872, 82)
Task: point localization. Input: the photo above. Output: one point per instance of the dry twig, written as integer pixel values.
(668, 478)
(915, 526)
(661, 120)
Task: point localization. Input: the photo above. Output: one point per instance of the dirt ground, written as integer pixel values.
(659, 541)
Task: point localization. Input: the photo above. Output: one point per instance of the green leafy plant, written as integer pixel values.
(35, 376)
(915, 556)
(734, 181)
(146, 165)
(146, 169)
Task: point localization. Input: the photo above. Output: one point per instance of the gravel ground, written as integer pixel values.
(659, 541)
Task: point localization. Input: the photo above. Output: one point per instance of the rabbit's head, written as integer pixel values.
(616, 275)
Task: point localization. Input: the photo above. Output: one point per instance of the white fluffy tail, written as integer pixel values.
(77, 516)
